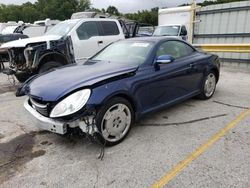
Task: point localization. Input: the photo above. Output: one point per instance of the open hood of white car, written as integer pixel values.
(23, 42)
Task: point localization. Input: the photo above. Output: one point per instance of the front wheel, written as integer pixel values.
(1, 66)
(114, 121)
(209, 86)
(22, 77)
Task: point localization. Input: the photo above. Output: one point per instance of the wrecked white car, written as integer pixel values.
(66, 43)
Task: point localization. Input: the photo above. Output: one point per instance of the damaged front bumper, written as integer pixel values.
(60, 127)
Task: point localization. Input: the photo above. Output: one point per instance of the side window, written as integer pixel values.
(34, 31)
(109, 28)
(176, 49)
(87, 30)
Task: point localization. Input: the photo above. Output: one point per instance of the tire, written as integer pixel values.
(111, 121)
(22, 77)
(48, 66)
(1, 66)
(208, 86)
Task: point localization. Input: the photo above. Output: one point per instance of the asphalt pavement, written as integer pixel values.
(156, 145)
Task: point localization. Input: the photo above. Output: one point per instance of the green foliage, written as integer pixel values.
(82, 5)
(145, 16)
(151, 17)
(63, 9)
(112, 10)
(42, 9)
(210, 2)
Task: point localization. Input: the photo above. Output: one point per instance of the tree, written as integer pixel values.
(103, 10)
(63, 9)
(211, 2)
(145, 16)
(58, 9)
(83, 5)
(29, 12)
(42, 9)
(113, 10)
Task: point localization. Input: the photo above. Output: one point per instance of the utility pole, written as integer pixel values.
(192, 21)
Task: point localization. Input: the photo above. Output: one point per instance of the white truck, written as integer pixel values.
(174, 22)
(38, 28)
(9, 27)
(67, 42)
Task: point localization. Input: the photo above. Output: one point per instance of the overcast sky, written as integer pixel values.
(123, 6)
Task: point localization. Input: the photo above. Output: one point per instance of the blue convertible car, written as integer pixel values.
(117, 86)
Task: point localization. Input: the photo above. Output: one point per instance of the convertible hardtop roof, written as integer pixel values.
(156, 40)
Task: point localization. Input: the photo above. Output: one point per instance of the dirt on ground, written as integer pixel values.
(18, 151)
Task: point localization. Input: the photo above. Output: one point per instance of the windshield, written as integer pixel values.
(167, 31)
(62, 28)
(125, 52)
(146, 30)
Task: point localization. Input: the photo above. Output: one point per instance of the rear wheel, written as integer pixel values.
(209, 86)
(114, 121)
(48, 66)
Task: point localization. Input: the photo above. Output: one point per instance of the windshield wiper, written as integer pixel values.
(162, 35)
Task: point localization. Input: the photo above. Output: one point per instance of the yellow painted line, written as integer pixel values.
(226, 50)
(183, 164)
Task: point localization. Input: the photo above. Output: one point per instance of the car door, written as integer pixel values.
(109, 32)
(173, 81)
(86, 40)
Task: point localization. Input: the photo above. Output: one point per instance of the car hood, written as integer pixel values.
(23, 42)
(56, 84)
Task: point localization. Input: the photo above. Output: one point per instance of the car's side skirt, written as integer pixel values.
(169, 103)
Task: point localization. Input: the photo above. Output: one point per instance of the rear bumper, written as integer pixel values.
(46, 123)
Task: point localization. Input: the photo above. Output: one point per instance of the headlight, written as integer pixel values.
(71, 104)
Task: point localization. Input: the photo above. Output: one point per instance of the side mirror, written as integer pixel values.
(164, 59)
(183, 33)
(47, 22)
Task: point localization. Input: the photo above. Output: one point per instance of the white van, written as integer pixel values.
(173, 30)
(174, 22)
(8, 24)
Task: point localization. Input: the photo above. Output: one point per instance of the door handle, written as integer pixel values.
(100, 42)
(193, 67)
